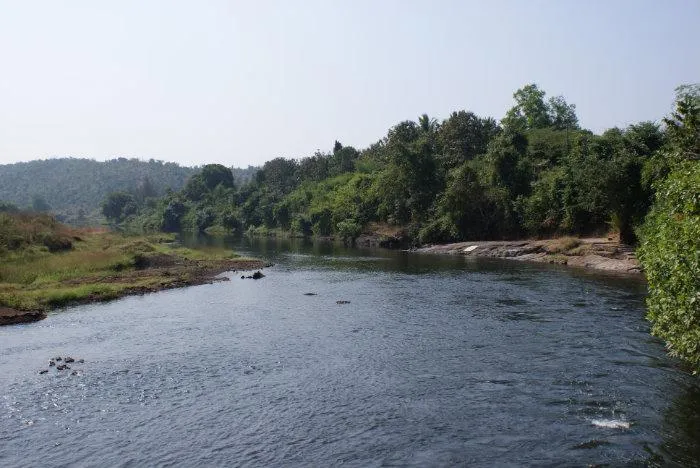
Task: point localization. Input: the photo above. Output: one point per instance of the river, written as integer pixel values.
(435, 361)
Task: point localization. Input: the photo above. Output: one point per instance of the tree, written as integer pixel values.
(683, 125)
(670, 247)
(196, 189)
(530, 110)
(464, 136)
(670, 254)
(39, 204)
(215, 174)
(172, 216)
(561, 114)
(118, 206)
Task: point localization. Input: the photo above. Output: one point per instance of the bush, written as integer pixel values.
(348, 230)
(57, 243)
(670, 254)
(301, 225)
(441, 230)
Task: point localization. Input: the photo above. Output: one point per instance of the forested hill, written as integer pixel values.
(68, 186)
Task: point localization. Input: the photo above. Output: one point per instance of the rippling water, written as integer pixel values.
(435, 361)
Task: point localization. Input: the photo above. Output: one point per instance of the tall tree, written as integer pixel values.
(530, 110)
(562, 115)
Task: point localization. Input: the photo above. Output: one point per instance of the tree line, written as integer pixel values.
(535, 173)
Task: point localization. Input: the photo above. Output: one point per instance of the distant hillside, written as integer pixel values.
(243, 176)
(76, 187)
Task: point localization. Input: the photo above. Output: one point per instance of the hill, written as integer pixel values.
(74, 188)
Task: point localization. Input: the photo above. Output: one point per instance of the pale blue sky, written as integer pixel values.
(243, 82)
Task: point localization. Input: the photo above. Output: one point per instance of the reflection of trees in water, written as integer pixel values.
(681, 429)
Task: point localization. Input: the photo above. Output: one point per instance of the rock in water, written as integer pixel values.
(342, 302)
(310, 294)
(70, 359)
(43, 371)
(258, 275)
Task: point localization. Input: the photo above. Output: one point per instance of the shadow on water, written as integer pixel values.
(681, 430)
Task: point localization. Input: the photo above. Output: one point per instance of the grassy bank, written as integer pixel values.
(45, 265)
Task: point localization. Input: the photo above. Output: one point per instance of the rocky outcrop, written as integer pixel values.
(598, 254)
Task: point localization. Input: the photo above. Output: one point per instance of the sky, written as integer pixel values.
(243, 82)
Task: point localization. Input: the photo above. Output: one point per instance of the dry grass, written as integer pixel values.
(562, 245)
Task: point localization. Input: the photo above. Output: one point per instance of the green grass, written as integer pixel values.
(100, 266)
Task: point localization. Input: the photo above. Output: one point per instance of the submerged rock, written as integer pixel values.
(342, 302)
(43, 371)
(310, 294)
(70, 359)
(51, 363)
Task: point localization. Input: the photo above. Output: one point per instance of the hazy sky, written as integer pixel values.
(240, 82)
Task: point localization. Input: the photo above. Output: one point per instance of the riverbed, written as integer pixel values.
(435, 361)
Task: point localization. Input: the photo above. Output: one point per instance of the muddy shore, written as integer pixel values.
(594, 253)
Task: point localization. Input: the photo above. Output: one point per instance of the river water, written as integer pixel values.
(436, 361)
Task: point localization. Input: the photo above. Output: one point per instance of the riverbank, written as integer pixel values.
(101, 266)
(594, 253)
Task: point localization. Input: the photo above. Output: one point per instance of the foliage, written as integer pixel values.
(670, 253)
(117, 206)
(466, 177)
(670, 249)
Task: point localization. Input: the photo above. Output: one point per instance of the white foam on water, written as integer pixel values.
(611, 423)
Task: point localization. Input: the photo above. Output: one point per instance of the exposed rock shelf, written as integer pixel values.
(596, 253)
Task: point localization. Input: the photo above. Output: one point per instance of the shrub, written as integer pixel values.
(348, 230)
(670, 254)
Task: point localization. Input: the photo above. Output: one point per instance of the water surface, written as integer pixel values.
(436, 361)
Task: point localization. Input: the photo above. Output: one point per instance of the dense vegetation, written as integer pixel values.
(670, 250)
(536, 173)
(74, 188)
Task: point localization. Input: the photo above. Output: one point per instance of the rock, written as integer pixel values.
(51, 363)
(70, 359)
(342, 302)
(258, 275)
(61, 367)
(75, 372)
(80, 361)
(242, 276)
(43, 371)
(310, 294)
